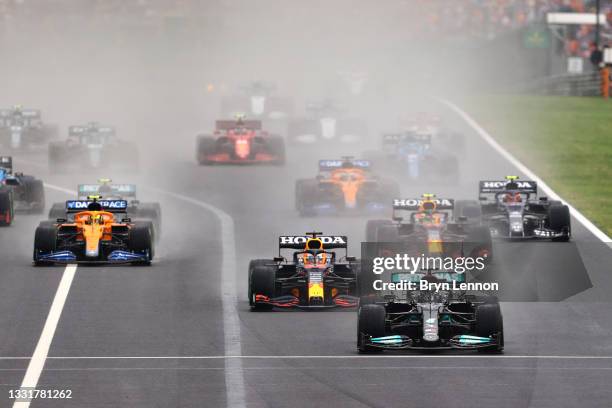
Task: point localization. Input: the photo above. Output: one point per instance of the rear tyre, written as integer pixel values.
(58, 210)
(372, 227)
(559, 220)
(470, 209)
(387, 233)
(45, 241)
(277, 148)
(140, 241)
(480, 238)
(35, 195)
(262, 282)
(371, 322)
(206, 146)
(489, 321)
(6, 207)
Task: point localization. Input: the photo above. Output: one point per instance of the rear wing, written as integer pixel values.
(123, 190)
(232, 124)
(328, 165)
(299, 241)
(79, 130)
(413, 204)
(6, 163)
(31, 113)
(114, 206)
(499, 186)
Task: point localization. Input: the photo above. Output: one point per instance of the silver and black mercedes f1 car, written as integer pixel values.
(23, 128)
(92, 146)
(430, 319)
(512, 210)
(313, 277)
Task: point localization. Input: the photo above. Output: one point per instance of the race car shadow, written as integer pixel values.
(536, 271)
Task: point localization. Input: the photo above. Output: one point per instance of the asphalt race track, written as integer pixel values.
(180, 333)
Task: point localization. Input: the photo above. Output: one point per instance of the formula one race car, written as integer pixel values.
(92, 147)
(240, 142)
(430, 319)
(136, 209)
(513, 210)
(325, 122)
(344, 185)
(7, 209)
(435, 227)
(28, 192)
(21, 128)
(314, 277)
(258, 101)
(415, 155)
(95, 235)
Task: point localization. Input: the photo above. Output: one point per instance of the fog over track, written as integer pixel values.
(158, 336)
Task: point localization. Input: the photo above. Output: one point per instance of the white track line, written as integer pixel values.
(323, 357)
(234, 375)
(60, 189)
(530, 174)
(37, 362)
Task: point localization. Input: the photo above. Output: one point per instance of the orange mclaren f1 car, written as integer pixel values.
(344, 186)
(94, 233)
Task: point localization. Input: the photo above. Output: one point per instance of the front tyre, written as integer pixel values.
(371, 322)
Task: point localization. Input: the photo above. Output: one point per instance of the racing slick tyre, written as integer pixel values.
(6, 207)
(387, 233)
(206, 146)
(277, 148)
(45, 241)
(372, 227)
(56, 157)
(140, 241)
(470, 210)
(307, 194)
(35, 194)
(489, 321)
(58, 210)
(371, 322)
(252, 265)
(481, 243)
(152, 213)
(262, 282)
(559, 220)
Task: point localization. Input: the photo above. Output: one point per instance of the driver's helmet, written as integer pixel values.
(512, 197)
(314, 255)
(313, 258)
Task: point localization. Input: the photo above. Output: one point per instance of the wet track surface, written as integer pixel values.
(157, 336)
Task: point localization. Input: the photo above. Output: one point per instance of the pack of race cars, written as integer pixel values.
(105, 223)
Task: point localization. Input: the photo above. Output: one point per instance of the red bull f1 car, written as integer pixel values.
(434, 226)
(240, 142)
(313, 277)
